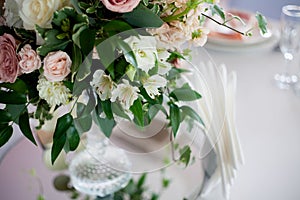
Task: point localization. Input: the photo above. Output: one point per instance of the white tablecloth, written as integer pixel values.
(268, 121)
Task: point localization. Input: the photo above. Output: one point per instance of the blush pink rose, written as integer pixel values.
(8, 59)
(57, 66)
(29, 60)
(120, 6)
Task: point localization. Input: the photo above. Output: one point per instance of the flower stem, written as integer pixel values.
(223, 24)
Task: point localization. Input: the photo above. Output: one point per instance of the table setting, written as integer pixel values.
(148, 100)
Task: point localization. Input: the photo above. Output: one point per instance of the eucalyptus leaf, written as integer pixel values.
(6, 132)
(25, 126)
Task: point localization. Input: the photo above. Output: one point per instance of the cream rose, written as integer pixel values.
(38, 12)
(29, 60)
(8, 59)
(57, 66)
(120, 6)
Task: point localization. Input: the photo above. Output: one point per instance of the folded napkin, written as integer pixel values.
(217, 110)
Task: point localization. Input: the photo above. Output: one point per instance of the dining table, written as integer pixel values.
(268, 124)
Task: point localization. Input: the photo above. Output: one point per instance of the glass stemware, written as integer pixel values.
(289, 44)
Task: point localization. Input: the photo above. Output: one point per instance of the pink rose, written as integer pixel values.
(120, 6)
(29, 60)
(8, 59)
(57, 66)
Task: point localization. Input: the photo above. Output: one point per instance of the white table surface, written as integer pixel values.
(268, 121)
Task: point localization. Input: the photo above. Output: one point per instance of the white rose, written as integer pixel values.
(38, 12)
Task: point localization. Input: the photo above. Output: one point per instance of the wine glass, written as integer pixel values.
(289, 44)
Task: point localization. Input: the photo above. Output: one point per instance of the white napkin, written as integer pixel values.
(217, 110)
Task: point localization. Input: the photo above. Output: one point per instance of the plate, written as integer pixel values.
(224, 39)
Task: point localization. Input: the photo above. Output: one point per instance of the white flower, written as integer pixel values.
(200, 36)
(144, 49)
(163, 66)
(103, 84)
(38, 12)
(153, 83)
(126, 94)
(55, 93)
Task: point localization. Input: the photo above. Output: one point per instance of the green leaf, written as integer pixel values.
(63, 124)
(262, 22)
(154, 109)
(58, 145)
(118, 110)
(127, 51)
(106, 106)
(5, 133)
(83, 72)
(185, 155)
(106, 125)
(141, 16)
(85, 110)
(175, 118)
(165, 182)
(15, 110)
(188, 111)
(137, 110)
(219, 11)
(72, 140)
(76, 58)
(87, 41)
(18, 86)
(59, 137)
(45, 49)
(5, 117)
(106, 52)
(185, 93)
(141, 180)
(25, 127)
(83, 123)
(12, 97)
(116, 26)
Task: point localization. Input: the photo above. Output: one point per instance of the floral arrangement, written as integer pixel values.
(90, 54)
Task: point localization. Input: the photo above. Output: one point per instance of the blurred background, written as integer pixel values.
(269, 8)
